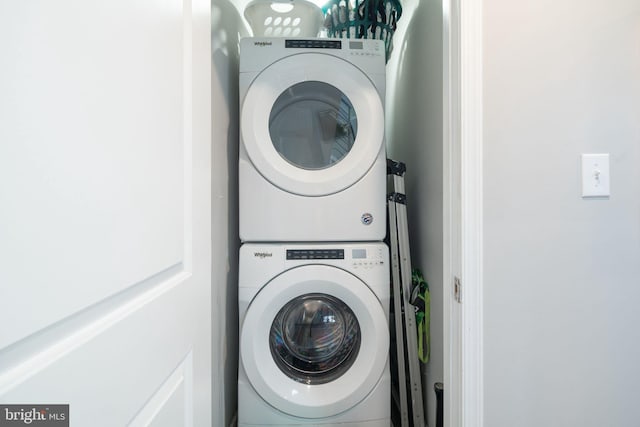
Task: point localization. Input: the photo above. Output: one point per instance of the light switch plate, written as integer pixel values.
(595, 175)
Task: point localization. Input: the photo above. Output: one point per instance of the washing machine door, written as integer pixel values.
(314, 341)
(312, 124)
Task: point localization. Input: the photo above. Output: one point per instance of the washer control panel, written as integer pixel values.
(296, 254)
(355, 257)
(366, 258)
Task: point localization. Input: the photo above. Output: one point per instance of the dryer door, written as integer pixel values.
(312, 124)
(314, 341)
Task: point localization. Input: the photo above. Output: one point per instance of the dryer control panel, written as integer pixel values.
(313, 44)
(351, 47)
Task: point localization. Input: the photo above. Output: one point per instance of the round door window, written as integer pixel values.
(313, 125)
(315, 338)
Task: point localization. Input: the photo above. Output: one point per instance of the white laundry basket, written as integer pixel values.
(294, 18)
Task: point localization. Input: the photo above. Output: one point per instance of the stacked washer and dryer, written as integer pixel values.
(314, 273)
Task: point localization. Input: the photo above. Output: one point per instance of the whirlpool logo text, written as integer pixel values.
(262, 254)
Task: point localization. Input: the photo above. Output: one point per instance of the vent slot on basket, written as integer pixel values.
(295, 18)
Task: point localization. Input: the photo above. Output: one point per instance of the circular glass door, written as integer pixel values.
(314, 341)
(313, 125)
(315, 338)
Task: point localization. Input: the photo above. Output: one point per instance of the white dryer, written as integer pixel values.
(314, 335)
(312, 162)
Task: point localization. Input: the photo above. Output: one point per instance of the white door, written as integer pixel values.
(105, 253)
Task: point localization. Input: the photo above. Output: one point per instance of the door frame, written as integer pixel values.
(463, 212)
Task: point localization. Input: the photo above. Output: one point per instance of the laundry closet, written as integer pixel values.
(558, 271)
(414, 135)
(119, 207)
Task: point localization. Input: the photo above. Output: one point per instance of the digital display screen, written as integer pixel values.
(356, 45)
(358, 253)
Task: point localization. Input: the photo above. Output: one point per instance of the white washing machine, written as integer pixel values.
(312, 162)
(314, 335)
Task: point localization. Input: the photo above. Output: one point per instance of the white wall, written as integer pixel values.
(227, 28)
(561, 273)
(415, 136)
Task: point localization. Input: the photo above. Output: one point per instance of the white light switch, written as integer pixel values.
(595, 175)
